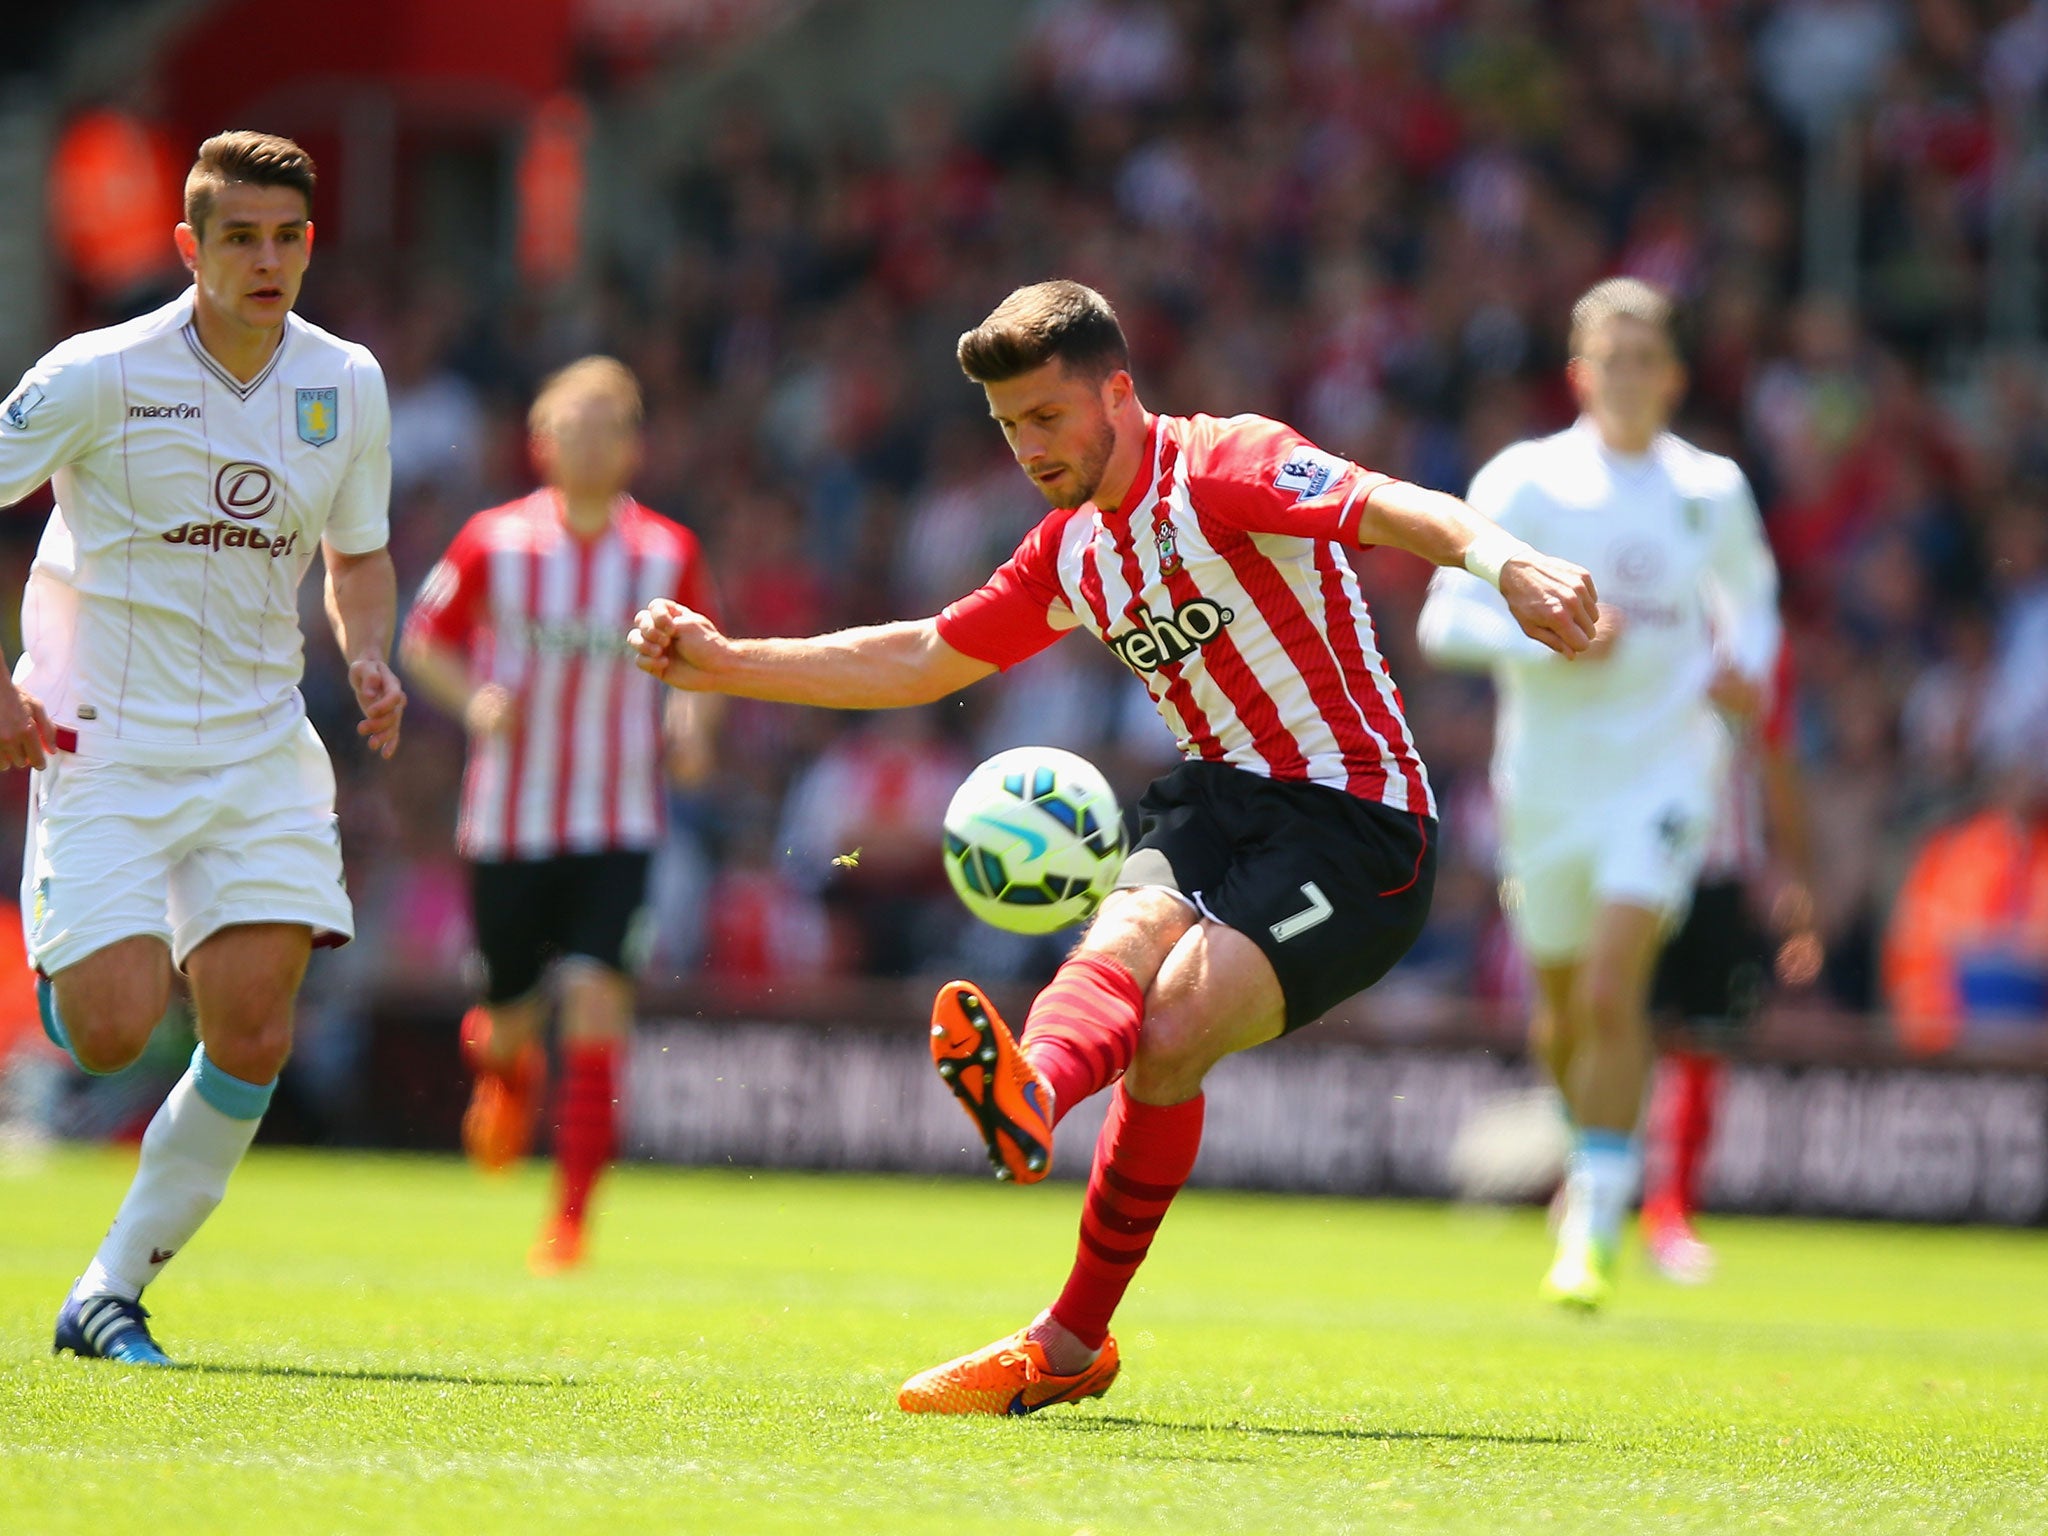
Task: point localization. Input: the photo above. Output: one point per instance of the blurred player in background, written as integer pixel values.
(1606, 769)
(1284, 867)
(1751, 918)
(181, 815)
(517, 633)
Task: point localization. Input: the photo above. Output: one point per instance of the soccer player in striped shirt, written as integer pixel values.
(181, 815)
(1283, 867)
(517, 633)
(1606, 771)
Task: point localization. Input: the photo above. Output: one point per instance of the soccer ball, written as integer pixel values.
(1034, 840)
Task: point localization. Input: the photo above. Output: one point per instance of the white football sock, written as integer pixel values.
(1605, 1168)
(188, 1152)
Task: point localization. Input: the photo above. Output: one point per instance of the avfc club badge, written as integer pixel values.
(319, 415)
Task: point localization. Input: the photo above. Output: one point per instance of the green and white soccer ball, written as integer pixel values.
(1034, 840)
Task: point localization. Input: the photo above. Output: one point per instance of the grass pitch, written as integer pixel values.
(367, 1353)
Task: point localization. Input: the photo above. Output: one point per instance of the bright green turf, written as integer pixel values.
(371, 1356)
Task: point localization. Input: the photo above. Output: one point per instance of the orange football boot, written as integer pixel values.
(1010, 1104)
(1008, 1377)
(505, 1104)
(558, 1248)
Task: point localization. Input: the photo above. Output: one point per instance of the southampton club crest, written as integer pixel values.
(1169, 547)
(319, 415)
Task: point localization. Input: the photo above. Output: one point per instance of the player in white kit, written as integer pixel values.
(1606, 767)
(182, 807)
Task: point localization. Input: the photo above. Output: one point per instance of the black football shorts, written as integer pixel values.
(1714, 973)
(1334, 889)
(532, 911)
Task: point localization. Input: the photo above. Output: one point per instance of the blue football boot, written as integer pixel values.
(106, 1328)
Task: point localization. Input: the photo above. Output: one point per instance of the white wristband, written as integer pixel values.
(1491, 548)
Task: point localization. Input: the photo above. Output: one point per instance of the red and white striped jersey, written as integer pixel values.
(1220, 581)
(545, 614)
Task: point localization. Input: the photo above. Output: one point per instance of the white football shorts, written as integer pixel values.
(1641, 846)
(117, 850)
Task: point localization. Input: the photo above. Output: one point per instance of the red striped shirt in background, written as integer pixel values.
(545, 615)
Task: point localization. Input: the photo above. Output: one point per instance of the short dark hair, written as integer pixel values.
(1035, 325)
(259, 159)
(1623, 298)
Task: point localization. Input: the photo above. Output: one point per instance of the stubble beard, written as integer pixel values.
(1088, 473)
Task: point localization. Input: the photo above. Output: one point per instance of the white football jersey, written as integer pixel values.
(160, 623)
(1673, 539)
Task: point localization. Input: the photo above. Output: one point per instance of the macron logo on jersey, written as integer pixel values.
(182, 410)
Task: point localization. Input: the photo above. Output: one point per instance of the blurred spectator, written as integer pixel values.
(1939, 720)
(768, 580)
(1851, 797)
(1820, 57)
(1109, 52)
(861, 829)
(2016, 699)
(1966, 953)
(763, 926)
(975, 509)
(437, 427)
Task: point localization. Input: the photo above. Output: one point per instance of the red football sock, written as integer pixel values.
(1142, 1158)
(1082, 1030)
(1683, 1130)
(586, 1121)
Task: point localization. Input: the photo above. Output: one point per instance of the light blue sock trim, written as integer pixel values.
(233, 1097)
(1612, 1142)
(46, 1007)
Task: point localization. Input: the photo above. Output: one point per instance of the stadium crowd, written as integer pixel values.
(1368, 217)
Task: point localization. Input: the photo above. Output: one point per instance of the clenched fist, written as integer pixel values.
(1553, 600)
(678, 645)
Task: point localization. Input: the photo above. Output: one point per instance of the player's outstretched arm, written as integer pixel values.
(1552, 600)
(362, 605)
(884, 666)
